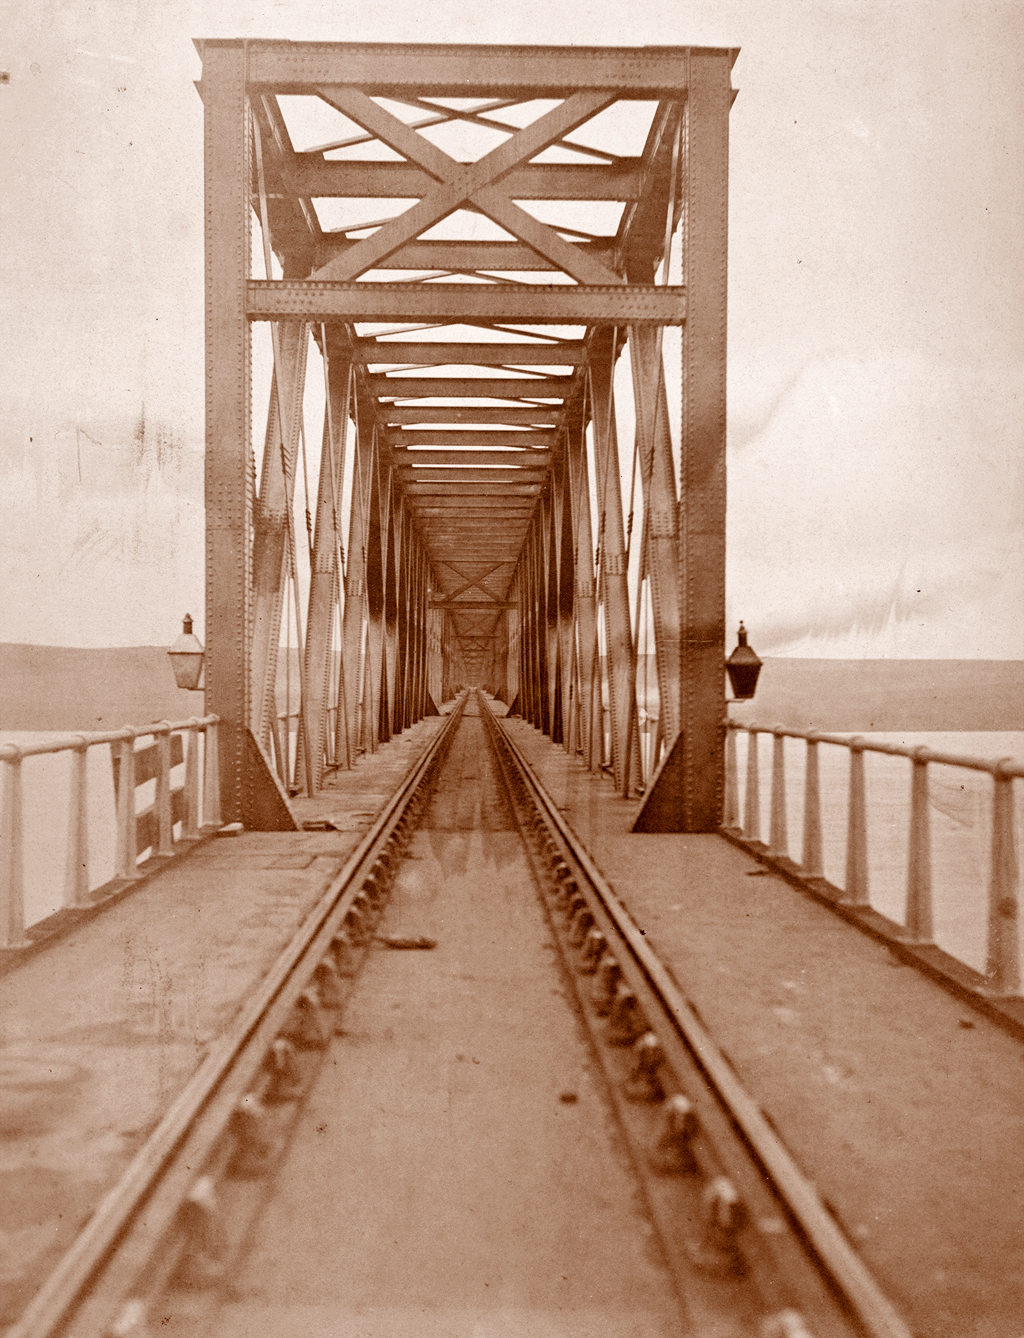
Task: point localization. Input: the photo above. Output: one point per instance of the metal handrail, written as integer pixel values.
(1003, 964)
(202, 808)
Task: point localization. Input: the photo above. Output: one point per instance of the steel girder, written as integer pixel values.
(470, 377)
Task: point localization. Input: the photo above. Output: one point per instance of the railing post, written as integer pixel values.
(856, 891)
(752, 818)
(211, 777)
(76, 870)
(125, 865)
(12, 864)
(164, 815)
(731, 816)
(193, 817)
(919, 855)
(779, 837)
(813, 864)
(281, 748)
(1002, 968)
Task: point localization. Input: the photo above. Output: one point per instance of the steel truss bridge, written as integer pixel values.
(477, 253)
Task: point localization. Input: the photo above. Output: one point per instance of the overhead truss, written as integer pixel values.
(475, 241)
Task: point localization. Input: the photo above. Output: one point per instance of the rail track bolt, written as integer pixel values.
(132, 1321)
(255, 1145)
(643, 1083)
(204, 1257)
(673, 1152)
(375, 891)
(308, 1028)
(285, 1083)
(329, 988)
(626, 1020)
(786, 1324)
(357, 924)
(582, 924)
(606, 982)
(344, 954)
(725, 1216)
(574, 906)
(593, 950)
(565, 892)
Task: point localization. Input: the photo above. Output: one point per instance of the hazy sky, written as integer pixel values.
(876, 375)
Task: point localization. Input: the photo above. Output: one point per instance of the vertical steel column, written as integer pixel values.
(585, 603)
(355, 587)
(614, 577)
(226, 146)
(392, 548)
(566, 598)
(271, 561)
(323, 584)
(660, 506)
(435, 656)
(702, 484)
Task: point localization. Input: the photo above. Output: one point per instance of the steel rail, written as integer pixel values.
(97, 1273)
(687, 1044)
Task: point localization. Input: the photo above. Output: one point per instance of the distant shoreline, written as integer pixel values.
(64, 687)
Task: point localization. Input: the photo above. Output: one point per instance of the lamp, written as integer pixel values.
(743, 667)
(186, 656)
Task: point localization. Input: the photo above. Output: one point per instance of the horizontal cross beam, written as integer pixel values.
(474, 490)
(439, 354)
(463, 436)
(470, 414)
(463, 387)
(534, 304)
(445, 476)
(466, 71)
(437, 506)
(532, 459)
(310, 175)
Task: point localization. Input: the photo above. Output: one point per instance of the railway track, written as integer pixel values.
(742, 1239)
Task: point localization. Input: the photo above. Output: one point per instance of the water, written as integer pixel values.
(46, 788)
(961, 809)
(961, 818)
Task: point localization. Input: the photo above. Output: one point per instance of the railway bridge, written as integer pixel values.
(461, 990)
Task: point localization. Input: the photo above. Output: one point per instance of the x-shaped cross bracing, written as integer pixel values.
(474, 184)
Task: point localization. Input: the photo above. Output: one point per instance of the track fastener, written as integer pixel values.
(673, 1152)
(308, 1027)
(593, 949)
(606, 982)
(285, 1083)
(254, 1144)
(626, 1019)
(725, 1215)
(643, 1083)
(203, 1260)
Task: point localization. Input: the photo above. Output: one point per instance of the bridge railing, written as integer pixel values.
(145, 805)
(915, 919)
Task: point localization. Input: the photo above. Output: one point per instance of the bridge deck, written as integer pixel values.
(900, 1102)
(102, 1028)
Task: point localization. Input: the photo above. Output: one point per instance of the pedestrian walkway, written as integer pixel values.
(900, 1102)
(104, 1026)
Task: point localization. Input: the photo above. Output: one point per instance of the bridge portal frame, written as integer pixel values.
(548, 644)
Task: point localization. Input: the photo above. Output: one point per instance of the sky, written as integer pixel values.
(876, 357)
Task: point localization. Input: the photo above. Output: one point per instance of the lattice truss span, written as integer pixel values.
(487, 252)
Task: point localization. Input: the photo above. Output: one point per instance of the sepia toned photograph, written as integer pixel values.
(511, 670)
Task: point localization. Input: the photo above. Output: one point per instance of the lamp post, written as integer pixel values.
(186, 656)
(743, 667)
